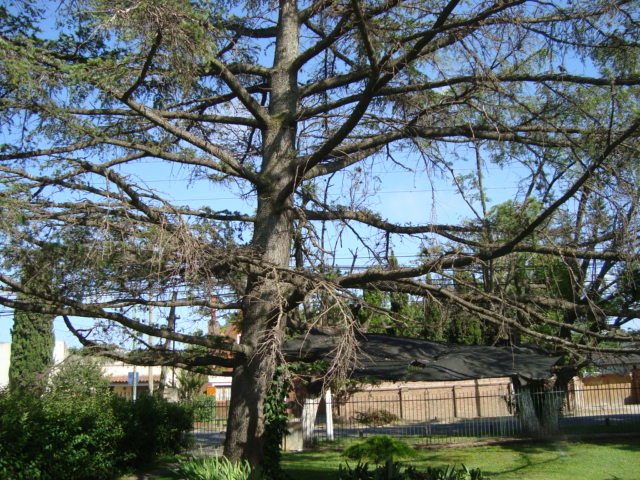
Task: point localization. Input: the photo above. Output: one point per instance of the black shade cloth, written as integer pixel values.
(387, 357)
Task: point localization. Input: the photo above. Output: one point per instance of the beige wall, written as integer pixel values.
(605, 391)
(431, 401)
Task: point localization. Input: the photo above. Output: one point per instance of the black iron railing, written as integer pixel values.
(424, 417)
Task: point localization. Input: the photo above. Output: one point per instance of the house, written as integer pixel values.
(149, 379)
(60, 352)
(129, 381)
(218, 386)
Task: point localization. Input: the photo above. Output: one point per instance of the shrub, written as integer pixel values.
(376, 417)
(17, 459)
(58, 437)
(83, 434)
(379, 449)
(203, 407)
(152, 426)
(77, 430)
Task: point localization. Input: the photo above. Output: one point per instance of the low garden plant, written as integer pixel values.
(214, 468)
(379, 449)
(447, 472)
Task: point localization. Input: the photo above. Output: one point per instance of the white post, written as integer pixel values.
(134, 393)
(329, 412)
(309, 412)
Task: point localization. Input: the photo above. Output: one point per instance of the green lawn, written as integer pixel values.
(615, 460)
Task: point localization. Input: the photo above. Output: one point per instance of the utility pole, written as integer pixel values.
(150, 369)
(134, 394)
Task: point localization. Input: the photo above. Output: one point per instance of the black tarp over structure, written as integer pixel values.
(391, 358)
(386, 357)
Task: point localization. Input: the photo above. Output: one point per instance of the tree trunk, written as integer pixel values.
(245, 425)
(266, 297)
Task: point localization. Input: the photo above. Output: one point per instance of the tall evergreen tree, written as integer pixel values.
(32, 344)
(32, 339)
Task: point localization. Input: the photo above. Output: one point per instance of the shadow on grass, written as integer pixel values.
(508, 459)
(630, 443)
(313, 465)
(528, 464)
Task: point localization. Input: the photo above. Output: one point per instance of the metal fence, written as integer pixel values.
(209, 424)
(468, 418)
(421, 417)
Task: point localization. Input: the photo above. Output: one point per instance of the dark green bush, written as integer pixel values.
(376, 417)
(152, 426)
(65, 435)
(379, 449)
(17, 414)
(58, 437)
(203, 407)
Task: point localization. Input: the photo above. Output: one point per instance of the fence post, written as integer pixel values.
(478, 400)
(455, 402)
(329, 414)
(635, 386)
(309, 412)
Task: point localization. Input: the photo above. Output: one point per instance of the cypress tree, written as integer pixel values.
(31, 350)
(32, 338)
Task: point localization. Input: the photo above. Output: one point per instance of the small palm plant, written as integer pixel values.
(380, 449)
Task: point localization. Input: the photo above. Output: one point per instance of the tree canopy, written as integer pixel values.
(305, 110)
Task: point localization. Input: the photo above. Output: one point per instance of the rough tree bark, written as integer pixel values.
(264, 322)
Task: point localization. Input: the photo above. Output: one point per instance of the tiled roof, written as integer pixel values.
(125, 379)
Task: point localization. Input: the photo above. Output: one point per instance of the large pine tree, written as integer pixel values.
(300, 109)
